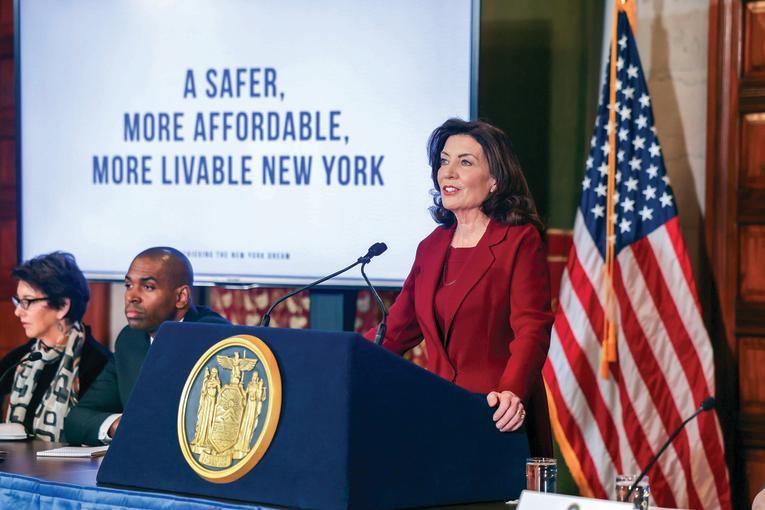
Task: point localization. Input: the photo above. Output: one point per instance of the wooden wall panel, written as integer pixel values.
(7, 180)
(7, 110)
(7, 87)
(10, 331)
(751, 383)
(754, 463)
(754, 38)
(7, 90)
(6, 16)
(7, 255)
(97, 314)
(7, 161)
(752, 268)
(735, 232)
(753, 150)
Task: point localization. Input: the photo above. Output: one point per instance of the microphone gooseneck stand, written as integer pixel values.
(384, 322)
(34, 356)
(706, 405)
(374, 250)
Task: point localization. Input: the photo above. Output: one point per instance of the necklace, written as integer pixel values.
(443, 275)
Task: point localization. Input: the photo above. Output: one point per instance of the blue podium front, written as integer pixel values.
(358, 428)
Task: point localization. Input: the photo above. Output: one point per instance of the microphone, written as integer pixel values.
(373, 251)
(707, 404)
(378, 249)
(34, 356)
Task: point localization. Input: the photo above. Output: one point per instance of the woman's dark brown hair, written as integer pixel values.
(511, 202)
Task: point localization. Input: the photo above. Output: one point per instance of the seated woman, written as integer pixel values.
(479, 289)
(50, 300)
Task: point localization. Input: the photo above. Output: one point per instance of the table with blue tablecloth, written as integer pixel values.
(27, 481)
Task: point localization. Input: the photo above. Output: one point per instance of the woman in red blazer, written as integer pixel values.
(479, 289)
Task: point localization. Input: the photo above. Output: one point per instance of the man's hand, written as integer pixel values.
(114, 426)
(510, 413)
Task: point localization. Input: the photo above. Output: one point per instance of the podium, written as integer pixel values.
(359, 428)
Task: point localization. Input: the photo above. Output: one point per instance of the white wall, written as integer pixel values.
(672, 37)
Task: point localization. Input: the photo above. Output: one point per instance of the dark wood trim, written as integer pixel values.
(6, 46)
(752, 94)
(749, 320)
(751, 206)
(7, 123)
(721, 160)
(751, 428)
(7, 203)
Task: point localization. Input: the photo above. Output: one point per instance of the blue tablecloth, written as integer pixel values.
(21, 492)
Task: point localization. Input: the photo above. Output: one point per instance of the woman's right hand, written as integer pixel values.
(510, 413)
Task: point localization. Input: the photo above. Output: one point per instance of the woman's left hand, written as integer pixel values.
(510, 413)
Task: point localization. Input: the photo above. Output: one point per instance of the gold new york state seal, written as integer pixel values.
(230, 408)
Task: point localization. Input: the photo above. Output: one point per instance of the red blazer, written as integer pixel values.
(498, 318)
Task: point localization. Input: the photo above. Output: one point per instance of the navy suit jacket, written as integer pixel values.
(111, 390)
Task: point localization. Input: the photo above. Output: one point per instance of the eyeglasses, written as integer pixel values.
(25, 303)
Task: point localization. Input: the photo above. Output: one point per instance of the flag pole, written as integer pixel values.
(608, 349)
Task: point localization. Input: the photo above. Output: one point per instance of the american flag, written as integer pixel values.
(664, 368)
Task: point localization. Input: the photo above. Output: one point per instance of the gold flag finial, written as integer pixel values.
(628, 6)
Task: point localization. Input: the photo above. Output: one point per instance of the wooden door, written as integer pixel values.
(735, 228)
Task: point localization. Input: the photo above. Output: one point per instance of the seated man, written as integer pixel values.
(157, 289)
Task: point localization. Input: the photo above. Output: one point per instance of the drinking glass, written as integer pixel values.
(541, 474)
(641, 496)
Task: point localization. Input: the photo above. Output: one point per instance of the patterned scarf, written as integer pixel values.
(59, 397)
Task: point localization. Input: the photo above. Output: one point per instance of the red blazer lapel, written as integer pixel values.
(433, 255)
(475, 268)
